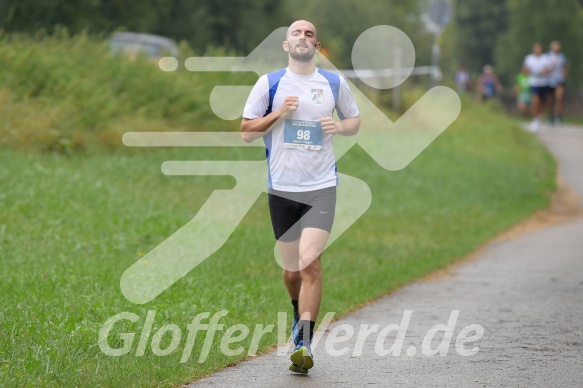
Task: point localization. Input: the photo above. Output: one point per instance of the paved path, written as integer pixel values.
(527, 294)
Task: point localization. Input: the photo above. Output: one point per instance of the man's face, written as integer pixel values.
(537, 49)
(301, 42)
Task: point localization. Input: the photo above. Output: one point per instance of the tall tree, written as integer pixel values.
(478, 24)
(235, 24)
(31, 15)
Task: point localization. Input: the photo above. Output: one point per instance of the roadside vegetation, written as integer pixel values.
(77, 208)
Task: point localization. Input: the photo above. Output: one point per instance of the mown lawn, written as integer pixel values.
(71, 224)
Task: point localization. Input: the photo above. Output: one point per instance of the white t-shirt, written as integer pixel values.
(462, 79)
(294, 164)
(537, 66)
(559, 62)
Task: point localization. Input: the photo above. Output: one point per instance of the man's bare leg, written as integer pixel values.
(550, 105)
(292, 279)
(312, 244)
(537, 108)
(559, 97)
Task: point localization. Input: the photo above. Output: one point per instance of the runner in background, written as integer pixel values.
(463, 80)
(556, 85)
(538, 66)
(488, 85)
(522, 93)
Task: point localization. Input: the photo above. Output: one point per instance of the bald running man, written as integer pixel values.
(292, 110)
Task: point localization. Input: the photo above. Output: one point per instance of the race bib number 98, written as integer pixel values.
(302, 134)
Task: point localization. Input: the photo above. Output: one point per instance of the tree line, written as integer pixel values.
(234, 25)
(497, 32)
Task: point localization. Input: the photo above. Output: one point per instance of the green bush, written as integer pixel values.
(62, 93)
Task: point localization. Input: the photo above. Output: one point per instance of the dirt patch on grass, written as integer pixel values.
(565, 207)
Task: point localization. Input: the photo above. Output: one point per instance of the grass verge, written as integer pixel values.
(71, 224)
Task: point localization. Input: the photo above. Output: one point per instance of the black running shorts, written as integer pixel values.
(540, 91)
(292, 212)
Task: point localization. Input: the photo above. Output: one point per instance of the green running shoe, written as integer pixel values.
(298, 369)
(301, 358)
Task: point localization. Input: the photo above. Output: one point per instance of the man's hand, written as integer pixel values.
(346, 127)
(330, 126)
(289, 106)
(252, 129)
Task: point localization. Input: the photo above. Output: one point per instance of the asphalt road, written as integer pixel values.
(525, 292)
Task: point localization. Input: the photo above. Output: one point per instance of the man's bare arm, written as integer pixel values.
(252, 129)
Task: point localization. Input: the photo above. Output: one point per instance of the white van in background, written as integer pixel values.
(134, 44)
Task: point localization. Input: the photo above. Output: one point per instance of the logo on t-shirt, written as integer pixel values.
(318, 96)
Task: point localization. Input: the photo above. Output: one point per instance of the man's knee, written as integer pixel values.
(292, 276)
(310, 265)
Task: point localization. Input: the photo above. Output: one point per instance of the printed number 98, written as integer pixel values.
(303, 135)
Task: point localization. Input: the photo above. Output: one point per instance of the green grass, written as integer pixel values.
(70, 226)
(74, 216)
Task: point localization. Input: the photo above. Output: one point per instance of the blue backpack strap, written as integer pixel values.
(273, 79)
(334, 81)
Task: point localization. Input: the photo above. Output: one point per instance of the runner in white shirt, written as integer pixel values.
(538, 66)
(292, 110)
(556, 87)
(300, 156)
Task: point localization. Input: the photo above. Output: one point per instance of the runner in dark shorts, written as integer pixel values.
(540, 91)
(292, 110)
(292, 212)
(556, 91)
(538, 66)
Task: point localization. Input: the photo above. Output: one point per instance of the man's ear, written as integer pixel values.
(318, 46)
(285, 46)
